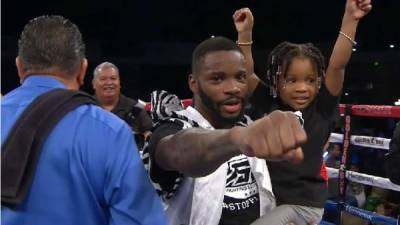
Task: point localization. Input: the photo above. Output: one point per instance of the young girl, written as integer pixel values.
(297, 81)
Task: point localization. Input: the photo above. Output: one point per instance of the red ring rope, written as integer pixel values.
(373, 110)
(356, 110)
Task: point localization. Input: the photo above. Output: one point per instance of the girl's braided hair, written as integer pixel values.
(282, 55)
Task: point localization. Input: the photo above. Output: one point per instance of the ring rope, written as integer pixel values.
(373, 110)
(356, 110)
(367, 215)
(364, 141)
(364, 179)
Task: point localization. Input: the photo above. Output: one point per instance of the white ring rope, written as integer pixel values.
(365, 141)
(364, 179)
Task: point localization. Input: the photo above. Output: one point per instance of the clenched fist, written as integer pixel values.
(244, 20)
(277, 136)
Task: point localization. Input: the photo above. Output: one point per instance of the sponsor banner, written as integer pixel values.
(364, 141)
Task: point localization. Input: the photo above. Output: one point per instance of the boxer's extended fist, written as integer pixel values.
(277, 136)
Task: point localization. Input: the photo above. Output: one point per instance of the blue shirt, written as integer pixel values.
(89, 171)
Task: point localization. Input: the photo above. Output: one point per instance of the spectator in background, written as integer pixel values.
(334, 155)
(355, 194)
(107, 87)
(333, 161)
(356, 190)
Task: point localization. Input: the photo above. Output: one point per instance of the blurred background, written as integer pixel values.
(151, 41)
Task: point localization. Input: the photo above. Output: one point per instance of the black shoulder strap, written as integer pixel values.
(21, 149)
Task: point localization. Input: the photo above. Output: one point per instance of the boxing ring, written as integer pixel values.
(344, 175)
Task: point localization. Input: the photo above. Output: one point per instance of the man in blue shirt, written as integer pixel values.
(89, 171)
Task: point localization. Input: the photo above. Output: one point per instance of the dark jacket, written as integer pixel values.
(392, 159)
(137, 118)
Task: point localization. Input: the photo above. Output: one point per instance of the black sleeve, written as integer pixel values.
(259, 102)
(144, 121)
(166, 182)
(392, 159)
(327, 104)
